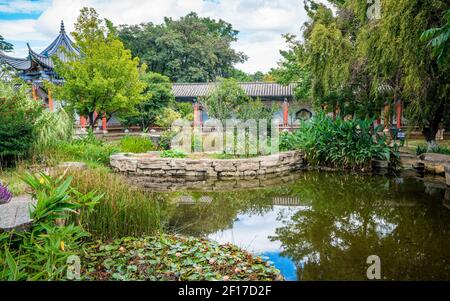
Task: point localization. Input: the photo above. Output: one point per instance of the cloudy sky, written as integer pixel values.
(260, 22)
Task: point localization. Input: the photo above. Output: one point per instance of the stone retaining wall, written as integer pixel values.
(144, 165)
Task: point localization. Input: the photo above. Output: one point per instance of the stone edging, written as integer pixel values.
(142, 165)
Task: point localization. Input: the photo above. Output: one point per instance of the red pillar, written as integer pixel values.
(285, 113)
(104, 123)
(399, 114)
(387, 119)
(33, 92)
(50, 100)
(83, 122)
(196, 115)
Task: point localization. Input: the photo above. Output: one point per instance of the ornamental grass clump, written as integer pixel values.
(5, 194)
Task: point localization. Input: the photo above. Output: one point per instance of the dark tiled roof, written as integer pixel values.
(44, 58)
(16, 63)
(259, 89)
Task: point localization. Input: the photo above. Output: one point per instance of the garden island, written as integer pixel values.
(141, 152)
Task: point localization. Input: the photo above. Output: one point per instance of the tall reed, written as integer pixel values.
(124, 210)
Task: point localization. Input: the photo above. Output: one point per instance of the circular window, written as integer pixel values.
(303, 114)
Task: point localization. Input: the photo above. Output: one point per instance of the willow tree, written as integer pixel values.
(396, 55)
(358, 62)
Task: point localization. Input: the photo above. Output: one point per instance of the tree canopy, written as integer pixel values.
(4, 45)
(105, 78)
(191, 49)
(351, 62)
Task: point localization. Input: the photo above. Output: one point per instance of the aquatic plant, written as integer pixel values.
(338, 143)
(173, 258)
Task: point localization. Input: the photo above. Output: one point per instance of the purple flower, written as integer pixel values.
(5, 195)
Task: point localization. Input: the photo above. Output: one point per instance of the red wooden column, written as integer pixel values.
(285, 113)
(104, 124)
(196, 113)
(387, 118)
(50, 100)
(399, 109)
(83, 122)
(33, 92)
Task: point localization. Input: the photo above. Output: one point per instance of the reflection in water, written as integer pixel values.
(330, 224)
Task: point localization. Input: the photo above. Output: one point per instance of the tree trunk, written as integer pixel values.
(431, 130)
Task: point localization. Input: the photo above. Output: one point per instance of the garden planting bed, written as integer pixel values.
(152, 166)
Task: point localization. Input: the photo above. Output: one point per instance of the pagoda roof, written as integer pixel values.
(44, 58)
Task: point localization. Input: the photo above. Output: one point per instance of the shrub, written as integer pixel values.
(167, 118)
(166, 139)
(42, 252)
(18, 117)
(422, 149)
(87, 149)
(136, 144)
(173, 154)
(337, 143)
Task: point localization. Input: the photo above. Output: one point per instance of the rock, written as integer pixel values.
(435, 158)
(447, 174)
(15, 215)
(73, 165)
(224, 165)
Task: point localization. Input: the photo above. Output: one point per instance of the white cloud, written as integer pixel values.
(22, 6)
(261, 22)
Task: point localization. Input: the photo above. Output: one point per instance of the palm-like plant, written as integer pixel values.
(439, 39)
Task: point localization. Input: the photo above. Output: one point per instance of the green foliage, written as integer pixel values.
(174, 258)
(167, 118)
(136, 144)
(185, 109)
(191, 49)
(173, 153)
(4, 45)
(439, 39)
(105, 78)
(125, 210)
(337, 143)
(349, 63)
(53, 128)
(157, 98)
(422, 149)
(166, 139)
(223, 103)
(19, 117)
(41, 253)
(87, 149)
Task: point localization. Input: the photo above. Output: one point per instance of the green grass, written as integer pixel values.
(136, 144)
(124, 210)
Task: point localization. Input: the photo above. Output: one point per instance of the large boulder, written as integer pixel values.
(447, 174)
(15, 215)
(434, 163)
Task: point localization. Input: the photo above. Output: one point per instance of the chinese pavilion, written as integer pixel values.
(37, 68)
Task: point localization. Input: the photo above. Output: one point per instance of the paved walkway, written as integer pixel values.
(15, 214)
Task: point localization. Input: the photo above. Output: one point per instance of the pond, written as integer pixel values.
(323, 226)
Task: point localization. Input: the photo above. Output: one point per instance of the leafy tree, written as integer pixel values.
(191, 49)
(19, 115)
(355, 64)
(157, 97)
(105, 78)
(439, 39)
(224, 102)
(5, 46)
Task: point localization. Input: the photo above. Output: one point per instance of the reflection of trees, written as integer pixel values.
(207, 218)
(352, 217)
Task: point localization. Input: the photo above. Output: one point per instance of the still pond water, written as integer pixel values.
(323, 226)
